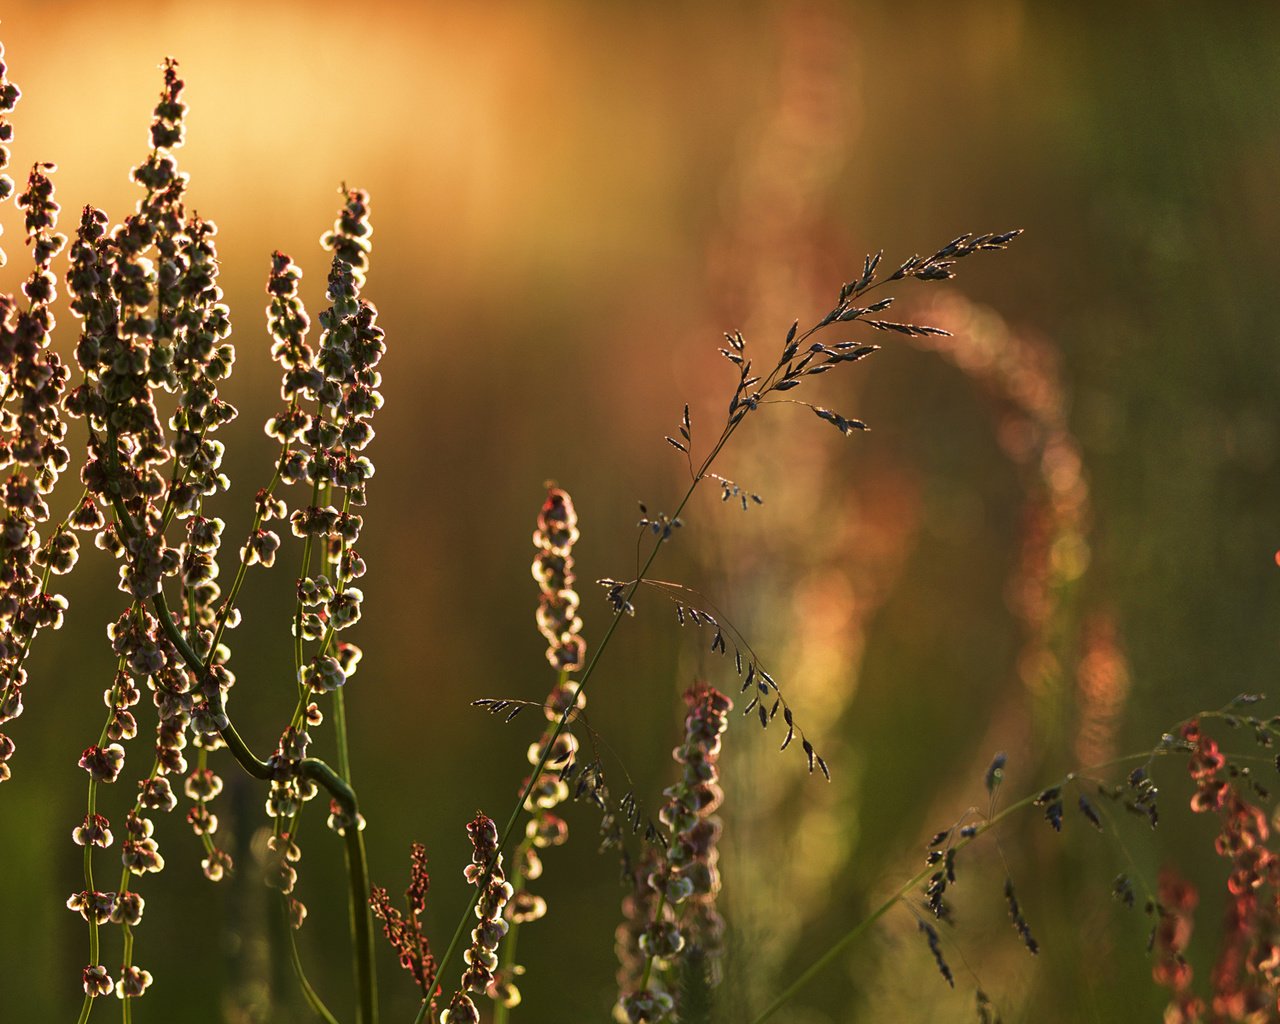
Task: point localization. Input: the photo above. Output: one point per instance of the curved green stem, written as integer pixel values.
(310, 768)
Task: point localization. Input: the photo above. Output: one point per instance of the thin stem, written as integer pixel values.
(312, 997)
(228, 605)
(298, 655)
(87, 1006)
(340, 733)
(339, 697)
(88, 873)
(361, 925)
(126, 1002)
(360, 915)
(94, 945)
(648, 960)
(358, 911)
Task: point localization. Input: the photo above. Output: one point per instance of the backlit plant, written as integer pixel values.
(151, 362)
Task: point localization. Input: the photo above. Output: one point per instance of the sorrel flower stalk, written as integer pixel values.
(557, 617)
(558, 622)
(149, 323)
(1245, 981)
(1177, 903)
(404, 931)
(152, 323)
(494, 892)
(671, 926)
(331, 395)
(33, 378)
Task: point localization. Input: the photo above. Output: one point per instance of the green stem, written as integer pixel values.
(228, 605)
(648, 960)
(362, 924)
(126, 1002)
(298, 655)
(339, 697)
(94, 945)
(87, 1006)
(88, 874)
(340, 733)
(312, 997)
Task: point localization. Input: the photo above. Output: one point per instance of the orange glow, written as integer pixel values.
(1102, 687)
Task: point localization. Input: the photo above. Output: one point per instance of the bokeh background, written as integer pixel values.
(1058, 539)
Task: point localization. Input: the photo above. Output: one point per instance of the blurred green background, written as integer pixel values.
(1058, 540)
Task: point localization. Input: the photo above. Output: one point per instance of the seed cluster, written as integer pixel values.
(153, 351)
(32, 453)
(554, 755)
(1246, 977)
(404, 931)
(9, 95)
(670, 915)
(485, 872)
(558, 620)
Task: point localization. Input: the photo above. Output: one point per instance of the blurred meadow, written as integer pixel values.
(1058, 539)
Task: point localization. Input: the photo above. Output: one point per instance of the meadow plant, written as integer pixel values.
(1246, 977)
(151, 361)
(670, 919)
